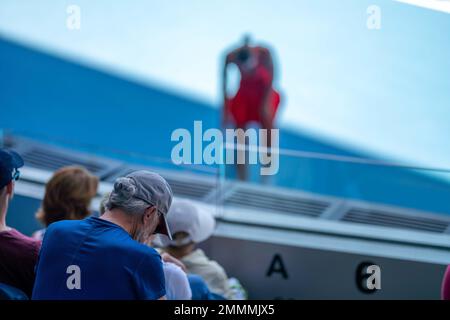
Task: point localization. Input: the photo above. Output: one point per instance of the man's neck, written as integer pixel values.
(3, 209)
(118, 217)
(3, 226)
(4, 201)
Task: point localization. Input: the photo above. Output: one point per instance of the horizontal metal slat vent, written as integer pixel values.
(53, 160)
(276, 202)
(390, 219)
(190, 189)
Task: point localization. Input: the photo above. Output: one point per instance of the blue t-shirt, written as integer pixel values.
(96, 259)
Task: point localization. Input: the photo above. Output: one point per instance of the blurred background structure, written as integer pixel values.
(364, 120)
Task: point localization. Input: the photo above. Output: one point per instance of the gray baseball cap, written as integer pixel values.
(154, 189)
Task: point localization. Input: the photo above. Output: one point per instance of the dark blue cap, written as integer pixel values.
(10, 161)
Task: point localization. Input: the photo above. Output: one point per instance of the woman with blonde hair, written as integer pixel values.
(68, 195)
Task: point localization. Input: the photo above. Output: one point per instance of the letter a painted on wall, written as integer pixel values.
(277, 266)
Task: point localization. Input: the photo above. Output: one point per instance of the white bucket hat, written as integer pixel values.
(186, 216)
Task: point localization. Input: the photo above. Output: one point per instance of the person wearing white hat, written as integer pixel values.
(190, 225)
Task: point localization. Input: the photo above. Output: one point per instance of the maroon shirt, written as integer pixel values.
(18, 257)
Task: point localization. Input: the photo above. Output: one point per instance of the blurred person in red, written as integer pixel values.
(256, 100)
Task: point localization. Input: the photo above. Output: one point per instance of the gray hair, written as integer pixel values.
(122, 197)
(102, 207)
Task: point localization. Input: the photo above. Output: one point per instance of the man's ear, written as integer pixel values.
(148, 215)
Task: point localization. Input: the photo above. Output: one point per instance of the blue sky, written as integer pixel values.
(385, 91)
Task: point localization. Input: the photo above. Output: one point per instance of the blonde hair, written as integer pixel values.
(68, 195)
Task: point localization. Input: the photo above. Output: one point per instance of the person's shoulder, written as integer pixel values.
(64, 229)
(18, 239)
(147, 259)
(171, 269)
(62, 226)
(199, 256)
(142, 249)
(233, 52)
(173, 273)
(262, 49)
(177, 281)
(218, 269)
(16, 235)
(139, 251)
(214, 265)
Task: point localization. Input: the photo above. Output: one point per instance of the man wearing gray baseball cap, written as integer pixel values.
(105, 258)
(152, 189)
